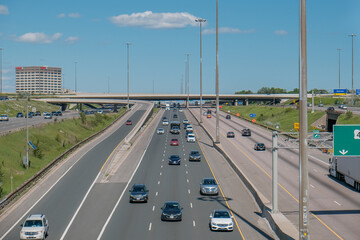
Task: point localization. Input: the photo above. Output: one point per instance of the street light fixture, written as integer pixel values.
(200, 20)
(188, 79)
(128, 73)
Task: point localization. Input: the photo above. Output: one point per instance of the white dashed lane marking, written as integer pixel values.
(194, 223)
(158, 182)
(150, 226)
(337, 203)
(156, 193)
(189, 191)
(191, 205)
(153, 208)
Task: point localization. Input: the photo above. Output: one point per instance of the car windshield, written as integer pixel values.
(174, 140)
(174, 157)
(172, 206)
(221, 214)
(138, 189)
(209, 182)
(260, 144)
(33, 223)
(194, 152)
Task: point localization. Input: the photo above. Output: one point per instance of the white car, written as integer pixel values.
(165, 122)
(221, 220)
(191, 137)
(4, 117)
(180, 109)
(36, 226)
(185, 121)
(160, 131)
(189, 128)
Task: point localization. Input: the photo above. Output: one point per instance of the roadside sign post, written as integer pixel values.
(316, 134)
(275, 204)
(346, 140)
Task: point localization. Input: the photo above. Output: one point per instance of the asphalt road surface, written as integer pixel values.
(334, 206)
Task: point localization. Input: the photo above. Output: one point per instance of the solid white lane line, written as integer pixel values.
(191, 205)
(126, 187)
(337, 203)
(153, 208)
(150, 226)
(78, 209)
(156, 193)
(319, 160)
(194, 223)
(27, 212)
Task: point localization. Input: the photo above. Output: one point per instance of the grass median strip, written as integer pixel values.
(51, 140)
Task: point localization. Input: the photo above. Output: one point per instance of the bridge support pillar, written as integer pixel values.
(247, 102)
(63, 107)
(115, 108)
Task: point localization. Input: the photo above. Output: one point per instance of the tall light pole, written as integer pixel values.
(217, 139)
(27, 129)
(1, 72)
(128, 73)
(188, 78)
(76, 77)
(339, 49)
(200, 20)
(352, 67)
(303, 158)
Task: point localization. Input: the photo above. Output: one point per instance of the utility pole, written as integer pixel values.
(200, 20)
(128, 73)
(1, 73)
(339, 49)
(303, 158)
(188, 79)
(27, 129)
(352, 67)
(76, 77)
(217, 139)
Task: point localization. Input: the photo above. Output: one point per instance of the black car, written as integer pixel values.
(331, 109)
(37, 113)
(175, 116)
(54, 113)
(185, 125)
(194, 156)
(230, 134)
(174, 160)
(259, 147)
(228, 116)
(171, 211)
(139, 193)
(246, 132)
(59, 113)
(19, 115)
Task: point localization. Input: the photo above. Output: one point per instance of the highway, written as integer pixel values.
(87, 203)
(15, 123)
(334, 206)
(61, 201)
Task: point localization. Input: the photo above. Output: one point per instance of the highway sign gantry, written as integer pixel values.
(346, 140)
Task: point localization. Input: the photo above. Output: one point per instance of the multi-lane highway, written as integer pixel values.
(334, 206)
(91, 200)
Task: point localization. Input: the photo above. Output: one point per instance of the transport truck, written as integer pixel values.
(346, 169)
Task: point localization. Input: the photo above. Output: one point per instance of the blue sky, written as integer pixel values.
(258, 43)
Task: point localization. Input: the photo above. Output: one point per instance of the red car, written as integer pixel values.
(208, 116)
(174, 142)
(128, 122)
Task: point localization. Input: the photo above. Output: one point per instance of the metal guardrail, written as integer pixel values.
(42, 172)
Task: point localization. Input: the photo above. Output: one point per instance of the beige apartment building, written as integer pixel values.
(38, 79)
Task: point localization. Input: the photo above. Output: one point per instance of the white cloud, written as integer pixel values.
(149, 19)
(73, 15)
(228, 30)
(4, 10)
(38, 38)
(281, 32)
(72, 39)
(69, 15)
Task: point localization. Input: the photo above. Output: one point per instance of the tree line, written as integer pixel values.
(272, 90)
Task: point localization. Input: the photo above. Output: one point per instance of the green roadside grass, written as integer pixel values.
(284, 117)
(51, 140)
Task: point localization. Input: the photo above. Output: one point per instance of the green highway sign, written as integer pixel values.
(316, 134)
(346, 140)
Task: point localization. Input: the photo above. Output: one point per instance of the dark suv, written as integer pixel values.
(139, 193)
(194, 156)
(246, 132)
